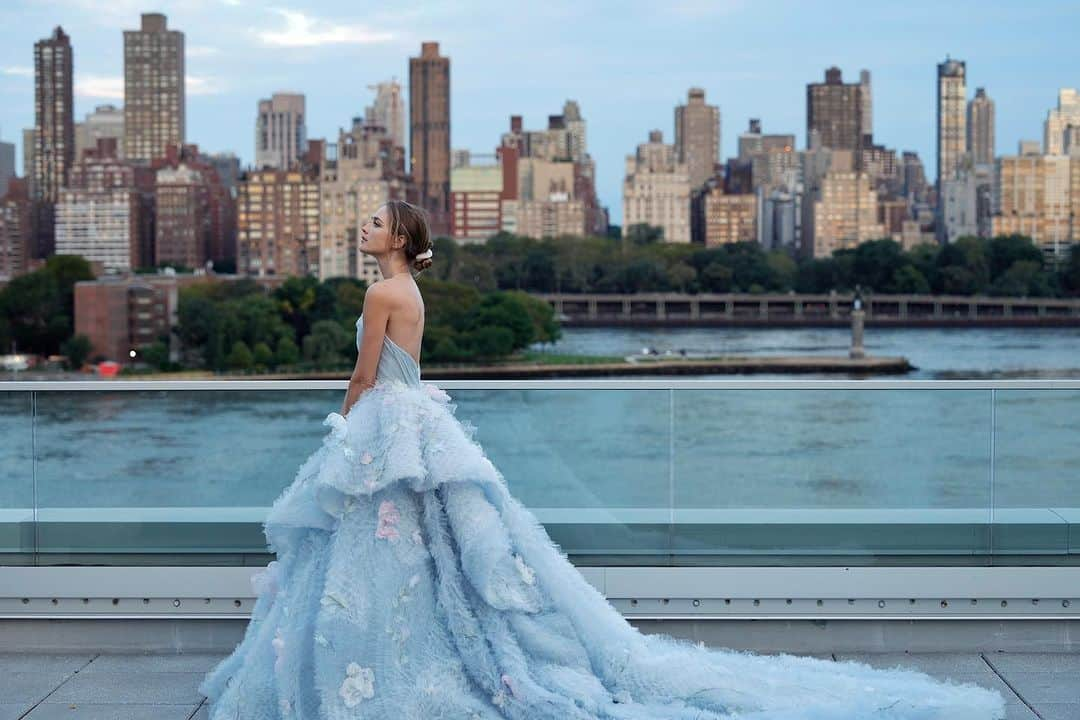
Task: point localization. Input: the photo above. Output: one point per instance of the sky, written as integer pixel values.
(627, 63)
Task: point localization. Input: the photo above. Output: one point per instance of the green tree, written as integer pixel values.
(156, 355)
(643, 234)
(240, 357)
(1025, 278)
(908, 280)
(325, 345)
(76, 349)
(490, 342)
(1070, 272)
(262, 355)
(286, 353)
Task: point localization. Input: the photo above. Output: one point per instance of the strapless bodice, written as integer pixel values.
(395, 363)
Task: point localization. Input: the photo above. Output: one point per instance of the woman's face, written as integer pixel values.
(375, 235)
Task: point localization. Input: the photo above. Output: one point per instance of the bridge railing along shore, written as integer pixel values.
(794, 309)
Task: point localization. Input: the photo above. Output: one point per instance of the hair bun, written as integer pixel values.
(423, 260)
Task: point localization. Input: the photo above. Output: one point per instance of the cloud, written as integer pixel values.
(108, 87)
(197, 85)
(17, 71)
(305, 31)
(197, 51)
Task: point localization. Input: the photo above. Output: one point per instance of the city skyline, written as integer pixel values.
(627, 82)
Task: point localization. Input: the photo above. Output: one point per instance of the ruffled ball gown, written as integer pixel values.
(409, 584)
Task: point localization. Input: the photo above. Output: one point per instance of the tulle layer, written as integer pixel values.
(411, 584)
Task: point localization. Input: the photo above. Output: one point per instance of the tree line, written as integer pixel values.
(640, 262)
(306, 324)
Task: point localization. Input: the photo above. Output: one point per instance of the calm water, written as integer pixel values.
(937, 353)
(608, 449)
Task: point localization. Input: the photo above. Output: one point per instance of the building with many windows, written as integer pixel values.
(656, 190)
(154, 94)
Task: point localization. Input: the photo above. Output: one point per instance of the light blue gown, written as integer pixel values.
(410, 585)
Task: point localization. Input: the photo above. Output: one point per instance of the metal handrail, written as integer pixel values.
(545, 384)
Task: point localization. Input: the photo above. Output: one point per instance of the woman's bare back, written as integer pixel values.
(405, 326)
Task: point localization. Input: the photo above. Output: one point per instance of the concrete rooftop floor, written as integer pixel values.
(93, 686)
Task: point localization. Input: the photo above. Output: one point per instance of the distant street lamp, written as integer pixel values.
(857, 318)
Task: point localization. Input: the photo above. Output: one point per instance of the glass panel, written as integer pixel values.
(16, 479)
(591, 464)
(1036, 457)
(827, 476)
(168, 477)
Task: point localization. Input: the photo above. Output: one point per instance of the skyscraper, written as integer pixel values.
(656, 190)
(54, 130)
(980, 128)
(429, 133)
(388, 110)
(280, 132)
(867, 103)
(1059, 121)
(951, 119)
(154, 108)
(697, 137)
(7, 165)
(834, 113)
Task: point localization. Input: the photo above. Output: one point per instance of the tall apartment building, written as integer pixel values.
(7, 165)
(1060, 120)
(1038, 196)
(549, 178)
(54, 131)
(867, 94)
(980, 128)
(105, 214)
(362, 171)
(154, 95)
(771, 157)
(280, 132)
(841, 207)
(429, 133)
(476, 201)
(656, 190)
(182, 230)
(951, 119)
(193, 192)
(16, 230)
(29, 141)
(697, 137)
(106, 122)
(278, 222)
(728, 218)
(388, 110)
(834, 113)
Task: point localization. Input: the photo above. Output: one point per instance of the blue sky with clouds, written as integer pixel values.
(627, 63)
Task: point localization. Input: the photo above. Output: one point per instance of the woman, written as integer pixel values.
(410, 584)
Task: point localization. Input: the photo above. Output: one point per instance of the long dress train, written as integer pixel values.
(410, 584)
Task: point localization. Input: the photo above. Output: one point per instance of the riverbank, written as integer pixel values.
(573, 366)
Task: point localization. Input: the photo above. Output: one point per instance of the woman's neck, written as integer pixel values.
(392, 265)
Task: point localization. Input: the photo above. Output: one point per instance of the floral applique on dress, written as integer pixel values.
(359, 685)
(388, 520)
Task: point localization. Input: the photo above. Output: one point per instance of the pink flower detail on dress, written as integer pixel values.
(388, 520)
(366, 459)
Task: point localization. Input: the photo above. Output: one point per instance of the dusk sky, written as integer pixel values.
(626, 63)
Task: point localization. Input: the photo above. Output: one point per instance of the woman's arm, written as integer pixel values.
(377, 304)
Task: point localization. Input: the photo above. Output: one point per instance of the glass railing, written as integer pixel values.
(627, 472)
